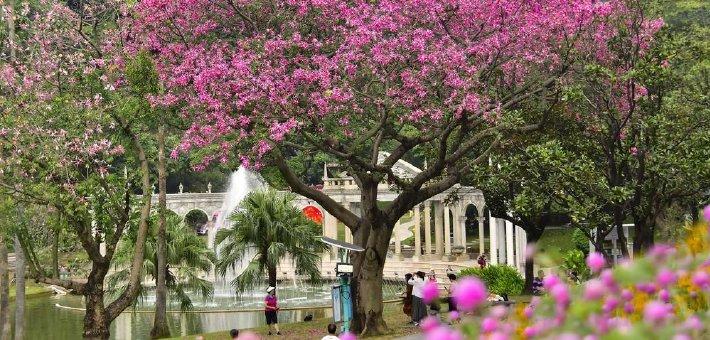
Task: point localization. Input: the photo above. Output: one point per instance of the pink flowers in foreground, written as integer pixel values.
(660, 295)
(430, 292)
(347, 336)
(469, 293)
(596, 261)
(657, 312)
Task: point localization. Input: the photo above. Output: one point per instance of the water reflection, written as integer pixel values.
(44, 320)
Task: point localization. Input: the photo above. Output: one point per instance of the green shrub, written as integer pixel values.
(580, 241)
(575, 260)
(499, 279)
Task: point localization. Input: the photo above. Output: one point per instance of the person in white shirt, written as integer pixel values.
(418, 307)
(332, 328)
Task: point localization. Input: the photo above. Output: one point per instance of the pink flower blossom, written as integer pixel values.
(610, 304)
(596, 261)
(498, 312)
(249, 336)
(693, 323)
(498, 336)
(444, 333)
(701, 279)
(568, 336)
(634, 151)
(469, 293)
(430, 291)
(454, 315)
(594, 290)
(656, 312)
(666, 277)
(706, 213)
(664, 295)
(429, 324)
(607, 276)
(488, 325)
(530, 250)
(550, 281)
(628, 308)
(530, 331)
(347, 336)
(561, 295)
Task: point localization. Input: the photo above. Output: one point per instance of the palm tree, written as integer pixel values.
(265, 229)
(188, 258)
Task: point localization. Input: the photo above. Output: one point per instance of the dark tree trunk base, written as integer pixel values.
(367, 287)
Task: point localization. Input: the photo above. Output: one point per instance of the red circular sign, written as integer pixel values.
(313, 213)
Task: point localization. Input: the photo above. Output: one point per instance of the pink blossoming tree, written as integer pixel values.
(62, 136)
(265, 80)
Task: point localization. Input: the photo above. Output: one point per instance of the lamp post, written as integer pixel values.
(342, 293)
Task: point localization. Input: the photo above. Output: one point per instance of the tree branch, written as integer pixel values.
(341, 213)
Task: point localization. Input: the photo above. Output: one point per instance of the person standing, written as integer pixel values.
(452, 283)
(418, 306)
(332, 328)
(538, 287)
(482, 261)
(407, 303)
(271, 307)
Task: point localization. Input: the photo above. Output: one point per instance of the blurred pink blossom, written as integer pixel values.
(430, 291)
(656, 312)
(469, 293)
(594, 290)
(596, 261)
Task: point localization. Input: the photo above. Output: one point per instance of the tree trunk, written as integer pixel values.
(4, 291)
(367, 278)
(55, 249)
(96, 319)
(19, 290)
(272, 276)
(533, 237)
(160, 322)
(621, 237)
(643, 235)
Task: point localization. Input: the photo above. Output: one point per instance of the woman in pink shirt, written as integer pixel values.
(271, 307)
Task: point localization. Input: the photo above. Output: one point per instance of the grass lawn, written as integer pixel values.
(554, 243)
(31, 290)
(395, 319)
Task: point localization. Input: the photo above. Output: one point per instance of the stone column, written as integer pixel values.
(427, 230)
(455, 219)
(481, 236)
(461, 226)
(523, 249)
(330, 229)
(493, 225)
(417, 233)
(439, 229)
(397, 242)
(348, 233)
(447, 234)
(509, 244)
(518, 259)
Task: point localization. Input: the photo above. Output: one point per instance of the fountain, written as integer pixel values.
(241, 183)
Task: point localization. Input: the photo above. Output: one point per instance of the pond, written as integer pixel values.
(45, 320)
(61, 317)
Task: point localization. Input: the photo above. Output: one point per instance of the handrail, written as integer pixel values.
(216, 310)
